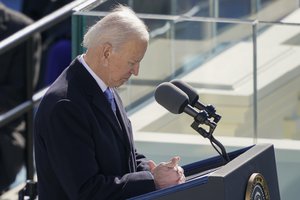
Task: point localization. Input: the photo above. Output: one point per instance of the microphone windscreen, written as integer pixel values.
(171, 97)
(191, 93)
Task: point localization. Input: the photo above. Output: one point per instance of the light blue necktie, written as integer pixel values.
(110, 97)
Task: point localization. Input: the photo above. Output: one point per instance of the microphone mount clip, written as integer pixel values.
(203, 118)
(211, 111)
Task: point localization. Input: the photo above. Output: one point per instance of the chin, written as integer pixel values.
(120, 84)
(124, 81)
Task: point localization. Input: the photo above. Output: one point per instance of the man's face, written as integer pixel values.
(125, 62)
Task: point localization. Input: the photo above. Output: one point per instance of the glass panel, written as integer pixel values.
(278, 81)
(218, 64)
(215, 57)
(256, 9)
(239, 9)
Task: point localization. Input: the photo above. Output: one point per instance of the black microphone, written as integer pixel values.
(176, 101)
(193, 99)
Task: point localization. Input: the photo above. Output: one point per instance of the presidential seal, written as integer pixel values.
(257, 188)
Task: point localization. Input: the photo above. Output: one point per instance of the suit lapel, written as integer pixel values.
(124, 117)
(126, 122)
(90, 86)
(128, 129)
(100, 101)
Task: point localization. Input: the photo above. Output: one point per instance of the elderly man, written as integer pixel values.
(83, 139)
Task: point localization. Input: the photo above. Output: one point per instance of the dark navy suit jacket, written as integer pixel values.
(81, 151)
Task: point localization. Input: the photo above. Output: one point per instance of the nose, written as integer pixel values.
(135, 69)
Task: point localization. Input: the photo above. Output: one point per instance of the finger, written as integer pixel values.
(182, 179)
(180, 170)
(173, 162)
(151, 165)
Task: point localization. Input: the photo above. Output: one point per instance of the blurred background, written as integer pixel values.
(241, 56)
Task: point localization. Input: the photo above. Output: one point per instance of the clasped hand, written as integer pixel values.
(167, 174)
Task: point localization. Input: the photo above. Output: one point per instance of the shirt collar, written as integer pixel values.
(101, 84)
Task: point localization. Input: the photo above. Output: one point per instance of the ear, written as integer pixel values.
(107, 50)
(105, 53)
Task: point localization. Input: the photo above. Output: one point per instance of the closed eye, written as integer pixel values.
(131, 64)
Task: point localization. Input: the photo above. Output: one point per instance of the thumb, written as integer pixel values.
(151, 165)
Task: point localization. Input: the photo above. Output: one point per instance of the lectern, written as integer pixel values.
(250, 174)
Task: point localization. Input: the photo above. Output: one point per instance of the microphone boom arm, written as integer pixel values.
(202, 118)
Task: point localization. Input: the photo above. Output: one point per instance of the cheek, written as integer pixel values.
(119, 70)
(117, 74)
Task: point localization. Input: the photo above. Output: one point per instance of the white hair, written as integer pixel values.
(117, 27)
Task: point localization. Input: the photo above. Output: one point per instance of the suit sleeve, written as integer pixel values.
(72, 155)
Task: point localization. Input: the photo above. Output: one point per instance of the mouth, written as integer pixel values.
(124, 80)
(127, 78)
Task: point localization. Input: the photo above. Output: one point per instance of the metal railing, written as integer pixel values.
(26, 108)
